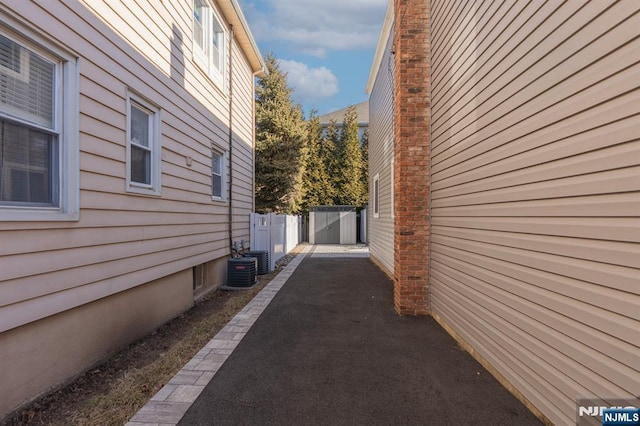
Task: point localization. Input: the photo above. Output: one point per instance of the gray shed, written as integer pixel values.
(332, 225)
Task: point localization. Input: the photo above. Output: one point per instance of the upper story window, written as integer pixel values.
(38, 132)
(209, 40)
(143, 146)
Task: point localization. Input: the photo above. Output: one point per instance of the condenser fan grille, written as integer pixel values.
(242, 271)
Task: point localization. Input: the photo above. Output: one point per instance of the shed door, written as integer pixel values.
(327, 227)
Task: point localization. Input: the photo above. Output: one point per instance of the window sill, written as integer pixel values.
(140, 190)
(37, 215)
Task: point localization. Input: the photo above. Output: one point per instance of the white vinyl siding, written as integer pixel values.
(144, 147)
(381, 157)
(535, 193)
(38, 130)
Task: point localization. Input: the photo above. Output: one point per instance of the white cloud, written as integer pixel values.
(309, 84)
(314, 27)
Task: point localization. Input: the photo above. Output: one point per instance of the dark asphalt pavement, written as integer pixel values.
(330, 350)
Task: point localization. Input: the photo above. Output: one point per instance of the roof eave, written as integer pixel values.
(382, 43)
(233, 14)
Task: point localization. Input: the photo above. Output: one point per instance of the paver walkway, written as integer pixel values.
(172, 401)
(328, 348)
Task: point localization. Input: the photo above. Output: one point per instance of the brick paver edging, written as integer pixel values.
(172, 401)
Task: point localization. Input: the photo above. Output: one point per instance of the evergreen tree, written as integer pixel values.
(351, 188)
(329, 156)
(316, 184)
(364, 146)
(280, 134)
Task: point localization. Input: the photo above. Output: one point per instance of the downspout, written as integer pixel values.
(231, 140)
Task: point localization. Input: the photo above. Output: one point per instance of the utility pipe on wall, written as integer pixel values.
(231, 140)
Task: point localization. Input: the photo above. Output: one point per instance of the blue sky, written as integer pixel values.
(326, 47)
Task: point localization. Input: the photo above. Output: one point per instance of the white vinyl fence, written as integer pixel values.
(278, 234)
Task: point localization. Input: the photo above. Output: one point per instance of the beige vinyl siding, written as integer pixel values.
(536, 193)
(243, 150)
(381, 147)
(123, 240)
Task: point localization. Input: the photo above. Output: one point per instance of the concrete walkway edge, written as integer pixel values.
(171, 402)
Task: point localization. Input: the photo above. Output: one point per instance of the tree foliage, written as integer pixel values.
(364, 145)
(317, 187)
(350, 167)
(280, 139)
(298, 164)
(329, 153)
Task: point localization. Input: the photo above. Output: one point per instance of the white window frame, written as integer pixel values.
(155, 146)
(65, 126)
(223, 175)
(376, 196)
(199, 277)
(204, 57)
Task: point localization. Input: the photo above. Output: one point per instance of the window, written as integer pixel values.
(143, 147)
(209, 40)
(376, 196)
(38, 132)
(393, 191)
(217, 176)
(199, 276)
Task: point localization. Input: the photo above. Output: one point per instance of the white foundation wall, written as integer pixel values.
(45, 354)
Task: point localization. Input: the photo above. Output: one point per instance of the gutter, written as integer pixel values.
(233, 14)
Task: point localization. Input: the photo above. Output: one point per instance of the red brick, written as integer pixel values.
(411, 179)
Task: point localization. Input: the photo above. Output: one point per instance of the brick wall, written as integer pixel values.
(411, 171)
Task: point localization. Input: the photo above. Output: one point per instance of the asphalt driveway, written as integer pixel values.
(329, 349)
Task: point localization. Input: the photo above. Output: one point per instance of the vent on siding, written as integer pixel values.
(263, 260)
(241, 272)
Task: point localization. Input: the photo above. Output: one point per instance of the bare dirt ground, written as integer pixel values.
(112, 392)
